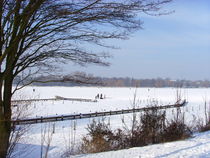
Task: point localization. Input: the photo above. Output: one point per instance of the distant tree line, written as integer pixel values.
(155, 82)
(117, 82)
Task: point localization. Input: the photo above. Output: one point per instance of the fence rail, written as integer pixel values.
(91, 115)
(57, 98)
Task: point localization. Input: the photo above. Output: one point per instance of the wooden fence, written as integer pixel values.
(57, 98)
(91, 115)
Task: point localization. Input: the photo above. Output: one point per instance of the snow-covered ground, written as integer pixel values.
(199, 146)
(67, 132)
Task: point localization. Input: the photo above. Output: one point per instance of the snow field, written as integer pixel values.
(116, 99)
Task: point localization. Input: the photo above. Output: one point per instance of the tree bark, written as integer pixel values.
(5, 116)
(4, 138)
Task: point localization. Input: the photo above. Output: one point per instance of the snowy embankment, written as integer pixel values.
(198, 146)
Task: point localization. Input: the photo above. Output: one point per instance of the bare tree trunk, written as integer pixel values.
(4, 138)
(5, 116)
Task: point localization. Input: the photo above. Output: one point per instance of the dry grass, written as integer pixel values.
(151, 128)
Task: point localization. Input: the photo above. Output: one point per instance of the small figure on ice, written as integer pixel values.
(97, 96)
(101, 96)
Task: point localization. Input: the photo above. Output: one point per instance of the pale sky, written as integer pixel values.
(175, 46)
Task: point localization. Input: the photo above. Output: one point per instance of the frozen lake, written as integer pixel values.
(115, 98)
